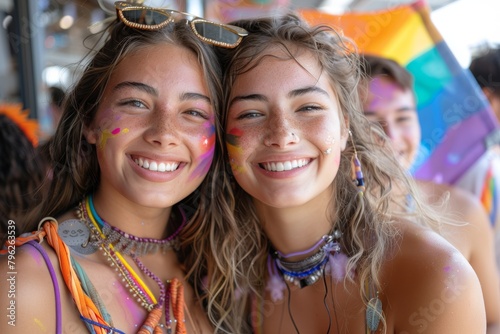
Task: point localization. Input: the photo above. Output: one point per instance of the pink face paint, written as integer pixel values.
(381, 90)
(234, 149)
(207, 144)
(106, 134)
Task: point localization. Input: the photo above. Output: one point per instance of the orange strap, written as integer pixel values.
(85, 305)
(21, 240)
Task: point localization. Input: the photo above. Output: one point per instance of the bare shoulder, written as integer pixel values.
(467, 225)
(28, 297)
(429, 287)
(459, 200)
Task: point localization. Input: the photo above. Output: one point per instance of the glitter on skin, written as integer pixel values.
(106, 134)
(208, 143)
(128, 304)
(233, 148)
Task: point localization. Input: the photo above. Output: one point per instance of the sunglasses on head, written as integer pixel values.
(149, 18)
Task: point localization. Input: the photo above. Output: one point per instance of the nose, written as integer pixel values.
(279, 132)
(162, 129)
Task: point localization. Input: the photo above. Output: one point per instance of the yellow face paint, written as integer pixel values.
(233, 148)
(106, 134)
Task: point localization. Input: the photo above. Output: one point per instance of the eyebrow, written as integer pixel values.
(305, 90)
(195, 96)
(152, 91)
(402, 109)
(293, 93)
(138, 85)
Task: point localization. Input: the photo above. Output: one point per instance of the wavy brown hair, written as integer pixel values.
(366, 221)
(76, 171)
(22, 171)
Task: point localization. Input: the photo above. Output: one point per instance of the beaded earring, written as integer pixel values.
(357, 174)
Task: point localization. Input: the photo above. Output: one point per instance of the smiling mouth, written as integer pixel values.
(156, 166)
(284, 165)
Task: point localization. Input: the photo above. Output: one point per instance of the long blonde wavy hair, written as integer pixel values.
(366, 221)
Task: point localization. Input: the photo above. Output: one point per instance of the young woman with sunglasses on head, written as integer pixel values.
(137, 191)
(318, 196)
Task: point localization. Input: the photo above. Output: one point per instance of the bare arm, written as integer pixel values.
(482, 260)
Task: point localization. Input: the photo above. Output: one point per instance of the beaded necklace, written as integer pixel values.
(112, 242)
(307, 271)
(326, 257)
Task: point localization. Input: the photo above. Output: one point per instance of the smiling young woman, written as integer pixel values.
(136, 192)
(318, 196)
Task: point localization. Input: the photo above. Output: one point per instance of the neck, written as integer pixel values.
(294, 229)
(140, 221)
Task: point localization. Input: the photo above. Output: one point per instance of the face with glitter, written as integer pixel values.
(285, 132)
(154, 128)
(394, 109)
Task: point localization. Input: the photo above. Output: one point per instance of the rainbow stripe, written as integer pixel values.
(489, 195)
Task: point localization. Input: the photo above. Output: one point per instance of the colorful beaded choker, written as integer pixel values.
(128, 244)
(326, 259)
(327, 256)
(114, 244)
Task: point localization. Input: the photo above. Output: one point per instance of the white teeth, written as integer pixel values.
(155, 166)
(286, 165)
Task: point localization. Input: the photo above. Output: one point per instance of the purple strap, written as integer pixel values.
(54, 283)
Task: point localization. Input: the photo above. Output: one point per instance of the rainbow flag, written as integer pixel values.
(458, 126)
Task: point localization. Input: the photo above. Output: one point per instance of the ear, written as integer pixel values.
(90, 135)
(487, 92)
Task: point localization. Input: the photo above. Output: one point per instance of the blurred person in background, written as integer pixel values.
(21, 168)
(485, 68)
(389, 101)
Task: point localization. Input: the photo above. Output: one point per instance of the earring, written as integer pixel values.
(328, 151)
(357, 174)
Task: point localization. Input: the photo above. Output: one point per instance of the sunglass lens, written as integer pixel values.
(145, 16)
(216, 32)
